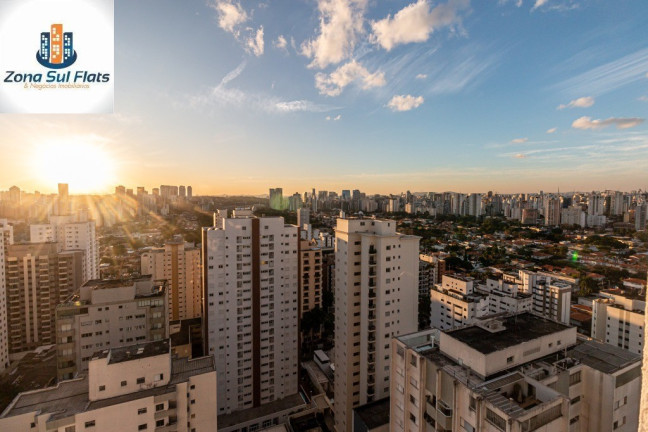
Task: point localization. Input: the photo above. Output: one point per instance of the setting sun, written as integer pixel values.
(86, 166)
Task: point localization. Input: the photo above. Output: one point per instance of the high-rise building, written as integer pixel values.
(182, 192)
(63, 200)
(106, 314)
(4, 332)
(376, 298)
(552, 211)
(641, 215)
(189, 192)
(179, 264)
(311, 280)
(14, 195)
(518, 373)
(130, 388)
(276, 199)
(72, 233)
(618, 319)
(250, 309)
(39, 277)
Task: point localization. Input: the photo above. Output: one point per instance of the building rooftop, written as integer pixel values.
(115, 283)
(518, 329)
(374, 414)
(71, 397)
(603, 357)
(133, 352)
(288, 403)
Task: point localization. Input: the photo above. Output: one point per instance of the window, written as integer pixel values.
(140, 380)
(574, 378)
(70, 428)
(159, 407)
(413, 418)
(509, 359)
(472, 403)
(123, 383)
(142, 427)
(102, 387)
(159, 423)
(89, 424)
(141, 411)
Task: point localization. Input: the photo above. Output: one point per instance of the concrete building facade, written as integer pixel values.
(376, 298)
(618, 319)
(250, 309)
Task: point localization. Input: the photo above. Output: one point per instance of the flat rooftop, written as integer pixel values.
(134, 352)
(115, 283)
(374, 414)
(519, 329)
(71, 397)
(603, 357)
(291, 402)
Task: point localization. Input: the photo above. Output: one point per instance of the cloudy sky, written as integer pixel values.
(384, 96)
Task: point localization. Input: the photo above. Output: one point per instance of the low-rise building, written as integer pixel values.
(618, 319)
(137, 387)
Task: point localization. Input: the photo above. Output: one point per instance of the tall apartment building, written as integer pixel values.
(71, 232)
(179, 264)
(376, 298)
(107, 314)
(552, 211)
(311, 280)
(551, 296)
(39, 277)
(131, 388)
(618, 319)
(641, 216)
(519, 373)
(4, 332)
(276, 199)
(250, 309)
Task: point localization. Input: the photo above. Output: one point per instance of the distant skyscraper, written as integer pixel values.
(182, 192)
(303, 217)
(376, 298)
(276, 199)
(641, 213)
(120, 190)
(14, 194)
(63, 200)
(250, 302)
(189, 192)
(552, 211)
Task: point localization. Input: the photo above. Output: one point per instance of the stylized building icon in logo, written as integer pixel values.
(56, 49)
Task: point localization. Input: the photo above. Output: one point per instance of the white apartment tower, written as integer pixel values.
(618, 319)
(179, 264)
(376, 298)
(250, 283)
(71, 232)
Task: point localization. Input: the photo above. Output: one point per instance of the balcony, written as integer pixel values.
(444, 415)
(372, 294)
(372, 250)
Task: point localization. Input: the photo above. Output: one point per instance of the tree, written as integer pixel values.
(587, 286)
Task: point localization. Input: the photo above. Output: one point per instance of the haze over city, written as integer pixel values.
(511, 96)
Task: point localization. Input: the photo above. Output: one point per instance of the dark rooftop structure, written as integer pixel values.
(134, 352)
(518, 329)
(603, 357)
(371, 416)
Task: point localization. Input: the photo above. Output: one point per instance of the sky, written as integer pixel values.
(234, 97)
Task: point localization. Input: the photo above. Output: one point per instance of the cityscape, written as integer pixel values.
(322, 310)
(323, 216)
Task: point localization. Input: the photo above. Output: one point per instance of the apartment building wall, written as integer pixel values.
(376, 297)
(619, 321)
(250, 309)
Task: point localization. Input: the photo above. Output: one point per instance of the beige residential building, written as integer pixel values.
(376, 298)
(108, 314)
(71, 233)
(4, 332)
(250, 315)
(179, 264)
(310, 281)
(39, 277)
(519, 373)
(131, 388)
(618, 319)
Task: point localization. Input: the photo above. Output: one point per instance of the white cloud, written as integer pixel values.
(256, 44)
(334, 83)
(581, 102)
(405, 102)
(281, 42)
(539, 3)
(519, 140)
(230, 14)
(224, 95)
(643, 98)
(340, 24)
(415, 22)
(421, 76)
(520, 156)
(620, 123)
(552, 130)
(336, 118)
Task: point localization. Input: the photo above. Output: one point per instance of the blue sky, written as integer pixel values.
(384, 96)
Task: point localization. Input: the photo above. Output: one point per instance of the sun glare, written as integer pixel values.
(86, 166)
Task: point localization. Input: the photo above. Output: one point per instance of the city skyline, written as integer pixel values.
(403, 95)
